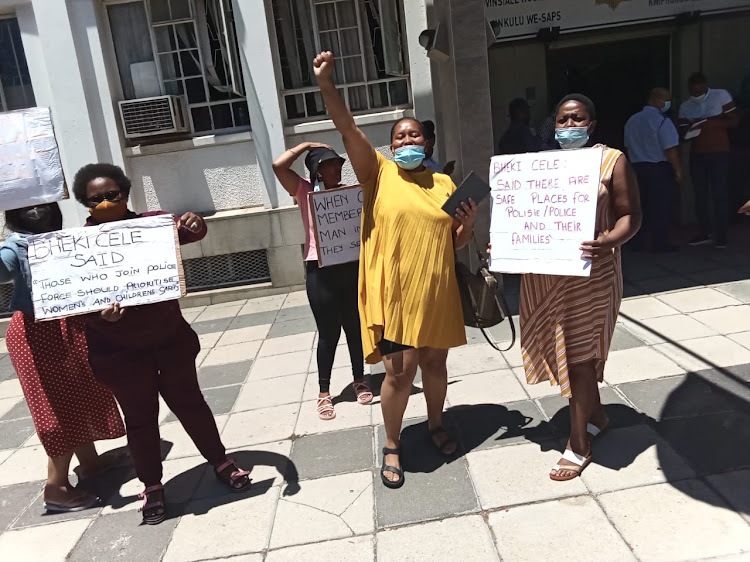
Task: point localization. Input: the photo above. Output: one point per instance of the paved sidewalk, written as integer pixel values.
(671, 480)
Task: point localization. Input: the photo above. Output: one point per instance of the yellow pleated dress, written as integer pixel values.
(408, 292)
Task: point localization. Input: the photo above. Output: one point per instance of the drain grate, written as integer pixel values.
(226, 270)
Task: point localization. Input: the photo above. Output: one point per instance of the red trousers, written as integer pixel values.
(138, 372)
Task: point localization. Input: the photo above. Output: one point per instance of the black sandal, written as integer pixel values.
(393, 484)
(238, 480)
(154, 511)
(441, 447)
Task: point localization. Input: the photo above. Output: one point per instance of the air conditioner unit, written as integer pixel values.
(147, 117)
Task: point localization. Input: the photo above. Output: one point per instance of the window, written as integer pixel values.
(366, 37)
(15, 82)
(184, 48)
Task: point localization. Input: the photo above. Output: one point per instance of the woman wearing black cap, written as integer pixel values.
(332, 290)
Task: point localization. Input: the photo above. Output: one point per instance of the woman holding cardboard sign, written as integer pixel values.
(567, 323)
(70, 409)
(332, 290)
(145, 351)
(409, 302)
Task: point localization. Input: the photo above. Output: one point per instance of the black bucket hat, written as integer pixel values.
(316, 157)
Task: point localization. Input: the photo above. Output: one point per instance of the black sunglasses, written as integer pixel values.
(110, 196)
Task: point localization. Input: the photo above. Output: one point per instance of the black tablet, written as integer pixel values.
(473, 187)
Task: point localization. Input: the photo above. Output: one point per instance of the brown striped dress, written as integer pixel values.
(567, 321)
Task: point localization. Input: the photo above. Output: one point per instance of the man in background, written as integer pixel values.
(518, 138)
(704, 121)
(652, 143)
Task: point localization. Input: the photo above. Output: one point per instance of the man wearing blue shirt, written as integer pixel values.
(652, 143)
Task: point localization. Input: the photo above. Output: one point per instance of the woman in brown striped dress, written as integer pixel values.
(567, 322)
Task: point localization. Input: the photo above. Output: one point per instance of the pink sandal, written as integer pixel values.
(325, 408)
(363, 392)
(237, 480)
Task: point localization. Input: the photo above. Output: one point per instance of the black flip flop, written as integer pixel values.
(392, 484)
(441, 448)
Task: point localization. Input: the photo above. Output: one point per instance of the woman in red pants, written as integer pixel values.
(143, 351)
(69, 408)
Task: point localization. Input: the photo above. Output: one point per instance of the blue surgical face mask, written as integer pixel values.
(667, 106)
(572, 137)
(318, 186)
(409, 157)
(702, 97)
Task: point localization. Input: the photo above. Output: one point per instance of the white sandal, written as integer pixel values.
(579, 461)
(325, 408)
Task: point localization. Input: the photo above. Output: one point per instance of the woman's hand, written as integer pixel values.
(323, 66)
(311, 145)
(113, 313)
(191, 221)
(598, 248)
(467, 214)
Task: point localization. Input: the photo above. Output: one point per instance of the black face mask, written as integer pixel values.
(39, 219)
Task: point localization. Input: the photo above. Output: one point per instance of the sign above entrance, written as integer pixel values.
(515, 19)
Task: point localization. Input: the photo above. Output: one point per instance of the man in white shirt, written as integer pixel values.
(704, 121)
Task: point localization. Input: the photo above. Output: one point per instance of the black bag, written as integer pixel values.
(482, 300)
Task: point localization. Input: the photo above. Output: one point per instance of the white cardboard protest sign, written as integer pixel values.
(337, 216)
(30, 168)
(543, 208)
(81, 270)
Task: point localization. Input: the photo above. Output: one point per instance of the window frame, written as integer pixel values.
(342, 88)
(193, 20)
(3, 100)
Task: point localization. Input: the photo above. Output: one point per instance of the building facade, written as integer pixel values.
(195, 98)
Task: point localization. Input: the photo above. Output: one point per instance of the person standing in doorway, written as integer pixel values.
(518, 138)
(332, 291)
(429, 148)
(704, 119)
(652, 143)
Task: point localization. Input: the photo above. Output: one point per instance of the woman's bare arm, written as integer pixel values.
(282, 166)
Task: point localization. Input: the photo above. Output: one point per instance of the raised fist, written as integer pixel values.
(323, 66)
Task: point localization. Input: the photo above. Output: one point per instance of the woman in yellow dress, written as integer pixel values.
(409, 303)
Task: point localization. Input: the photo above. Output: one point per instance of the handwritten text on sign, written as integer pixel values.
(82, 270)
(543, 208)
(337, 214)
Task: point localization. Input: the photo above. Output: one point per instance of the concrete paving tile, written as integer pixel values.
(271, 392)
(15, 431)
(538, 390)
(436, 487)
(675, 397)
(268, 464)
(222, 375)
(36, 514)
(287, 344)
(280, 365)
(694, 300)
(7, 372)
(682, 522)
(17, 412)
(15, 499)
(705, 353)
(28, 464)
(263, 304)
(260, 426)
(5, 454)
(519, 539)
(292, 327)
(190, 314)
(202, 354)
(120, 537)
(220, 400)
(678, 327)
(621, 414)
(288, 313)
(297, 298)
(220, 311)
(10, 389)
(513, 356)
(242, 335)
(729, 320)
(471, 359)
(241, 558)
(523, 479)
(711, 444)
(354, 549)
(182, 445)
(210, 529)
(642, 308)
(742, 338)
(348, 415)
(51, 543)
(236, 353)
(250, 320)
(728, 381)
(638, 364)
(739, 290)
(209, 340)
(347, 512)
(341, 358)
(493, 387)
(415, 408)
(733, 487)
(180, 478)
(456, 538)
(337, 452)
(624, 339)
(341, 380)
(632, 457)
(211, 326)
